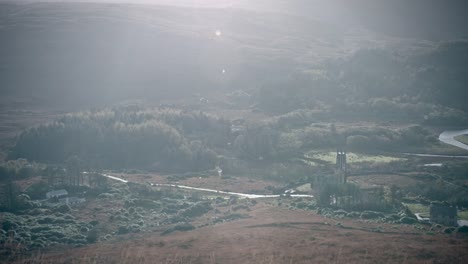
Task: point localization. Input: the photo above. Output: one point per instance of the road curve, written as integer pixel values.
(434, 155)
(245, 195)
(448, 137)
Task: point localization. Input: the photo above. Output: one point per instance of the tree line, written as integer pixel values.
(380, 84)
(160, 139)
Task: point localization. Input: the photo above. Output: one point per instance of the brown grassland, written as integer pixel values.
(273, 234)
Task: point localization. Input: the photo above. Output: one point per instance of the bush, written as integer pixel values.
(408, 220)
(53, 233)
(38, 229)
(37, 245)
(39, 211)
(12, 233)
(46, 220)
(23, 201)
(123, 230)
(180, 227)
(240, 206)
(197, 210)
(68, 216)
(60, 220)
(301, 205)
(449, 230)
(92, 236)
(64, 208)
(9, 225)
(371, 215)
(37, 190)
(462, 229)
(105, 196)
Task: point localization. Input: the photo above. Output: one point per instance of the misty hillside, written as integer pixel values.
(98, 53)
(111, 52)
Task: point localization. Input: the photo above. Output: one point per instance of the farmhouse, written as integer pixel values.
(443, 214)
(73, 200)
(56, 194)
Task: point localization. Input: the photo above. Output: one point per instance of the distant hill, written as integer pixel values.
(92, 54)
(99, 52)
(88, 53)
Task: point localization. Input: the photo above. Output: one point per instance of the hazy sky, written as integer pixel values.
(427, 18)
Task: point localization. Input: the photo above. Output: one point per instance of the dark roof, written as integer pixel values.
(57, 192)
(443, 210)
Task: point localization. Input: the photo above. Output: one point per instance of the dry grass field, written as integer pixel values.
(274, 235)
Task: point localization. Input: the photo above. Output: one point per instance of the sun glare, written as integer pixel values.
(218, 33)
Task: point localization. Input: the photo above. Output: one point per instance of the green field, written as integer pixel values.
(418, 208)
(462, 215)
(424, 210)
(462, 139)
(330, 157)
(436, 148)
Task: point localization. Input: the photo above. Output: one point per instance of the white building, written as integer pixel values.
(57, 194)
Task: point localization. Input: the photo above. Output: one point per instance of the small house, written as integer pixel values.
(443, 214)
(74, 200)
(57, 194)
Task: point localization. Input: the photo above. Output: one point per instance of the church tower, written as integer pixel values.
(341, 166)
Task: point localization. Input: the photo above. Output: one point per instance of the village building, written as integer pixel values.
(341, 169)
(73, 200)
(443, 214)
(57, 194)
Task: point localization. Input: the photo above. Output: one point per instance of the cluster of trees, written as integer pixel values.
(441, 191)
(169, 140)
(380, 84)
(10, 172)
(163, 139)
(280, 138)
(440, 75)
(386, 139)
(350, 197)
(19, 169)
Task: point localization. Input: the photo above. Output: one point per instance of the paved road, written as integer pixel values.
(251, 196)
(449, 138)
(446, 137)
(435, 155)
(245, 195)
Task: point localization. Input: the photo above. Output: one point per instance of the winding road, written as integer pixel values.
(244, 195)
(448, 137)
